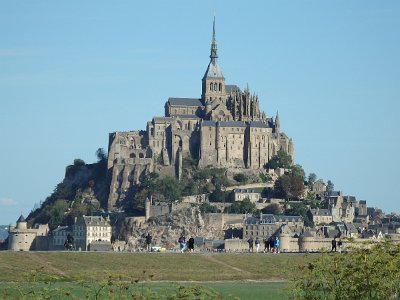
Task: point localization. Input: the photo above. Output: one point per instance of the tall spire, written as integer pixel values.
(213, 54)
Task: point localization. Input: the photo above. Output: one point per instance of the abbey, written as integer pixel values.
(223, 128)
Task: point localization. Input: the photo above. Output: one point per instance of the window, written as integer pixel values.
(220, 88)
(215, 87)
(211, 87)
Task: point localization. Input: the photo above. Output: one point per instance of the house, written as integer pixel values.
(241, 194)
(88, 229)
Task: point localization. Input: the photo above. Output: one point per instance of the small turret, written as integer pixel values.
(21, 223)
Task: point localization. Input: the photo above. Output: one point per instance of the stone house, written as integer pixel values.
(241, 194)
(320, 216)
(88, 229)
(58, 237)
(267, 225)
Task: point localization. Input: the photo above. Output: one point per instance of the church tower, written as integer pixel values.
(213, 82)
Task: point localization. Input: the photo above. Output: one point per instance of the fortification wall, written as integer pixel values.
(236, 245)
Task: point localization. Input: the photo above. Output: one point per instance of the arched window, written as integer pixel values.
(211, 86)
(220, 87)
(215, 86)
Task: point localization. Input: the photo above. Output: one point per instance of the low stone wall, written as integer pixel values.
(195, 198)
(236, 245)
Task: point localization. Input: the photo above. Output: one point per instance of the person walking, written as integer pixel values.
(257, 242)
(340, 244)
(333, 245)
(191, 244)
(266, 244)
(251, 244)
(276, 245)
(148, 242)
(182, 243)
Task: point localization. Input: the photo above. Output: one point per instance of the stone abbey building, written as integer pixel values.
(222, 128)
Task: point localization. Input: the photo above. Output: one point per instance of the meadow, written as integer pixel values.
(74, 275)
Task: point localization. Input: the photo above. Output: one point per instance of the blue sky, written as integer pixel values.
(73, 71)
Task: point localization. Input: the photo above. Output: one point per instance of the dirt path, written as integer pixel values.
(224, 264)
(35, 257)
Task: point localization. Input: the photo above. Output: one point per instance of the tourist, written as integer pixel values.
(251, 242)
(333, 245)
(271, 244)
(266, 245)
(340, 244)
(257, 244)
(148, 242)
(191, 244)
(276, 245)
(182, 243)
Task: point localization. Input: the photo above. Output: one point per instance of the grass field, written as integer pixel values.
(247, 276)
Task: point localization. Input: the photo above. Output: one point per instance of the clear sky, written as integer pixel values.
(73, 71)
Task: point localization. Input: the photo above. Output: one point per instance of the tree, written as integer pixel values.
(242, 207)
(280, 160)
(207, 208)
(312, 177)
(170, 188)
(218, 195)
(298, 171)
(289, 186)
(369, 272)
(300, 209)
(330, 187)
(242, 178)
(273, 208)
(101, 155)
(79, 162)
(264, 178)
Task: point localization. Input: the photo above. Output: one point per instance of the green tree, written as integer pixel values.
(170, 188)
(330, 187)
(289, 186)
(207, 208)
(242, 178)
(298, 171)
(264, 177)
(371, 272)
(101, 154)
(300, 209)
(273, 208)
(242, 207)
(312, 177)
(281, 160)
(218, 195)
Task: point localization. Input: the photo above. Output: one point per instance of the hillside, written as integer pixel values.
(3, 232)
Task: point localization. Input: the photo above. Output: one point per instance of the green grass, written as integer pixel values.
(74, 290)
(247, 276)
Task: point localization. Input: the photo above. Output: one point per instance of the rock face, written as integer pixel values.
(166, 230)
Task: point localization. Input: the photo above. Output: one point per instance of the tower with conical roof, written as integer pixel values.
(213, 82)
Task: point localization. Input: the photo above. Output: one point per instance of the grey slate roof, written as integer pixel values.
(188, 116)
(163, 119)
(213, 70)
(95, 220)
(321, 212)
(258, 124)
(21, 219)
(231, 124)
(363, 202)
(208, 123)
(185, 102)
(231, 88)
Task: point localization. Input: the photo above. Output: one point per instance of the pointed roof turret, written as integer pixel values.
(277, 122)
(21, 219)
(213, 69)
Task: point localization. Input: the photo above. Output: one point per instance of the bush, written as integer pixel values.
(242, 178)
(361, 273)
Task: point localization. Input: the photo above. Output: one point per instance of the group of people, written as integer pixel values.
(271, 244)
(337, 246)
(183, 245)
